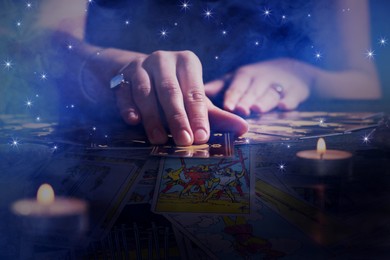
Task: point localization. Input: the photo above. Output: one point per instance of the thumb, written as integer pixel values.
(221, 120)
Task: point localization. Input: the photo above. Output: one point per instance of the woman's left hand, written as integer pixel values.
(263, 86)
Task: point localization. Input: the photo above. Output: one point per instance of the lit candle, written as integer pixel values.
(323, 162)
(51, 218)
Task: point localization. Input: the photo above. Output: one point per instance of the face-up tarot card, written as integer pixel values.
(213, 186)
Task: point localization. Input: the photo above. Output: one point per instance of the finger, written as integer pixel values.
(126, 104)
(255, 91)
(163, 69)
(146, 101)
(237, 89)
(224, 121)
(189, 72)
(291, 101)
(214, 87)
(268, 101)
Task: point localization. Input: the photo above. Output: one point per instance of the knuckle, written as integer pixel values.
(158, 55)
(168, 87)
(188, 57)
(177, 118)
(142, 89)
(196, 95)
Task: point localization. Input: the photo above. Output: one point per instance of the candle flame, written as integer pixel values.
(321, 146)
(45, 194)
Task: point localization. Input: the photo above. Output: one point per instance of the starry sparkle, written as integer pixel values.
(28, 103)
(28, 5)
(370, 54)
(127, 22)
(8, 64)
(382, 41)
(18, 23)
(70, 46)
(366, 139)
(208, 13)
(282, 167)
(163, 33)
(15, 143)
(318, 55)
(266, 12)
(43, 76)
(185, 5)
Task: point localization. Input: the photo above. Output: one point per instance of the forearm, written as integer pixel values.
(348, 84)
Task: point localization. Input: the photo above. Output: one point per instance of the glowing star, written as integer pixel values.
(284, 17)
(257, 43)
(216, 57)
(18, 23)
(7, 64)
(38, 118)
(70, 46)
(15, 143)
(71, 106)
(185, 5)
(288, 146)
(308, 15)
(207, 13)
(224, 32)
(266, 12)
(318, 55)
(282, 167)
(163, 33)
(370, 54)
(28, 103)
(127, 22)
(366, 139)
(94, 128)
(28, 5)
(382, 41)
(322, 121)
(90, 1)
(43, 76)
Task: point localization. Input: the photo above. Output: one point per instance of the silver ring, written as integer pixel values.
(279, 89)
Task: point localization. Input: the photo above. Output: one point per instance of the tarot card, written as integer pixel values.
(214, 186)
(105, 182)
(262, 235)
(219, 145)
(146, 181)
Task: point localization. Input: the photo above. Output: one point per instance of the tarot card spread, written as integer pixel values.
(303, 125)
(216, 186)
(219, 145)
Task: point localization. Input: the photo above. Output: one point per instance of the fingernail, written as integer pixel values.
(158, 137)
(229, 106)
(132, 115)
(201, 136)
(183, 138)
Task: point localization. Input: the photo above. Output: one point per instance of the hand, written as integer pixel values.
(263, 86)
(171, 82)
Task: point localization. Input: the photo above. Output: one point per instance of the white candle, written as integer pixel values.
(50, 220)
(324, 162)
(47, 205)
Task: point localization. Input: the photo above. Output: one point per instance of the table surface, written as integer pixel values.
(294, 215)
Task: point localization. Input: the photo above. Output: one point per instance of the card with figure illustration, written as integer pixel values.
(219, 145)
(213, 186)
